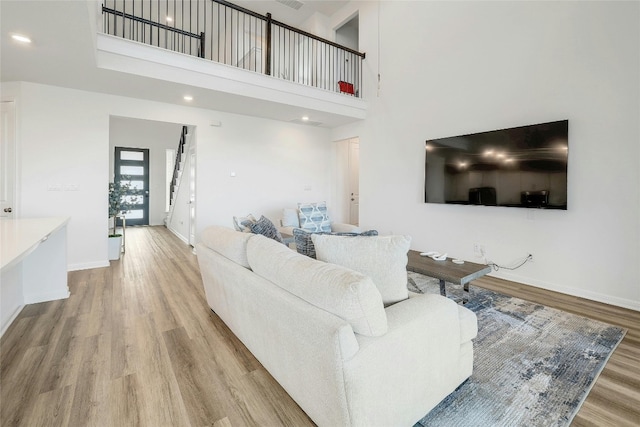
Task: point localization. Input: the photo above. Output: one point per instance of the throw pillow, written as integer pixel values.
(314, 217)
(290, 218)
(239, 220)
(304, 244)
(346, 293)
(383, 259)
(265, 227)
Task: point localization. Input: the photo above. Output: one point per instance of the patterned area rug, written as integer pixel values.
(533, 366)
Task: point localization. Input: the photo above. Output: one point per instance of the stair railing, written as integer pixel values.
(176, 166)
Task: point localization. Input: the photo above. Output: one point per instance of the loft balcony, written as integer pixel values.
(215, 45)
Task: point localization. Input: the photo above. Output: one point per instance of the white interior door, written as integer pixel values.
(8, 160)
(354, 182)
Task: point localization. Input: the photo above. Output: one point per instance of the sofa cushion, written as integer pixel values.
(314, 217)
(227, 242)
(383, 258)
(345, 293)
(304, 244)
(265, 227)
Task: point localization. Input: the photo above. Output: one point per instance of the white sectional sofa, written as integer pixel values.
(323, 332)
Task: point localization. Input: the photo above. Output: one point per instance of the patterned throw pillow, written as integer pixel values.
(265, 227)
(304, 244)
(313, 217)
(238, 222)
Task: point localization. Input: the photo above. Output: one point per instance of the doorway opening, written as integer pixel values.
(159, 141)
(347, 33)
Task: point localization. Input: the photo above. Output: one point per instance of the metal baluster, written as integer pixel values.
(268, 65)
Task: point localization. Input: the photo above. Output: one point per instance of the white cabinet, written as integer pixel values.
(33, 264)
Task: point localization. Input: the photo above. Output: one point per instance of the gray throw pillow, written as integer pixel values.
(304, 244)
(265, 227)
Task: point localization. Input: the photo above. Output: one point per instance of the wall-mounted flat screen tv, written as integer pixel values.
(524, 167)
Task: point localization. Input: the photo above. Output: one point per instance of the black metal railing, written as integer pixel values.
(176, 165)
(223, 32)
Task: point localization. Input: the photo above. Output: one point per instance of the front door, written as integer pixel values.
(132, 166)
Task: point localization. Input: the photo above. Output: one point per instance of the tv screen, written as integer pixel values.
(524, 167)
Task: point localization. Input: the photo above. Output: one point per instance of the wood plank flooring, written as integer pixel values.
(136, 345)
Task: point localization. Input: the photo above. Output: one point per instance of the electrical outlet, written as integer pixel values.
(478, 250)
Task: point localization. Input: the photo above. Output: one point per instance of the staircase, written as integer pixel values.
(176, 187)
(177, 170)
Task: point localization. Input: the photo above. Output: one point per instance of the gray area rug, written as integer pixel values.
(533, 365)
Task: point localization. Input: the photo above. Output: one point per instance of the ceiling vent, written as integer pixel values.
(305, 122)
(293, 4)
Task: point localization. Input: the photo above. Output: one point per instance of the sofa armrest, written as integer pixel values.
(416, 323)
(418, 362)
(338, 227)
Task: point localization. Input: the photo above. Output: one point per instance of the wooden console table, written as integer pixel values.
(447, 271)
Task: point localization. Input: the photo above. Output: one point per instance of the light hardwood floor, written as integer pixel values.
(136, 344)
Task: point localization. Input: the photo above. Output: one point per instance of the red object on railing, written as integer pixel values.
(346, 87)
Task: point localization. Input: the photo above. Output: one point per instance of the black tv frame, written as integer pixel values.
(523, 167)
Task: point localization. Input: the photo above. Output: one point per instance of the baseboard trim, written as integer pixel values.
(87, 265)
(49, 296)
(178, 235)
(580, 293)
(11, 319)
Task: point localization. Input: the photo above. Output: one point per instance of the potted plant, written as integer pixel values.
(119, 204)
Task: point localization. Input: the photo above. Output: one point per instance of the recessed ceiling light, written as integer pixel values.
(188, 98)
(20, 38)
(305, 118)
(169, 19)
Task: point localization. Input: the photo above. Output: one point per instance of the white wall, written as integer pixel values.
(63, 138)
(157, 137)
(62, 168)
(276, 165)
(451, 68)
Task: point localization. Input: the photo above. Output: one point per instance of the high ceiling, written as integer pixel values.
(280, 11)
(62, 54)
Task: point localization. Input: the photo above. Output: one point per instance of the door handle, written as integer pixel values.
(8, 210)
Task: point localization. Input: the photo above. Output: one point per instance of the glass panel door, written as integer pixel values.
(132, 167)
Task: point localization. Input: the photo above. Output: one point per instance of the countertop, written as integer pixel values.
(19, 237)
